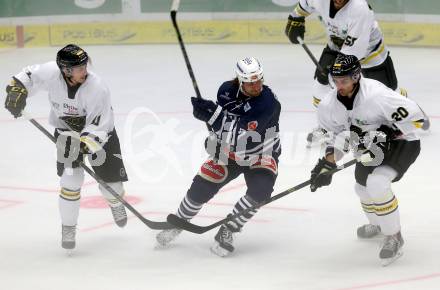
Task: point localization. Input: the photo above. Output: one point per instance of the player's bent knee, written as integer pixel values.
(361, 191)
(72, 178)
(379, 186)
(261, 187)
(202, 190)
(117, 187)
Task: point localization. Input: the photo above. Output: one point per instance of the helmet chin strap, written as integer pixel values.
(356, 85)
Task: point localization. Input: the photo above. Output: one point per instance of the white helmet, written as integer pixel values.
(249, 70)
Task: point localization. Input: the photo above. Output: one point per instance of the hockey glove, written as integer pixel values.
(206, 110)
(90, 144)
(319, 175)
(74, 123)
(16, 98)
(295, 27)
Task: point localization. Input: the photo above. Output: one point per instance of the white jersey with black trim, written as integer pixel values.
(91, 101)
(374, 105)
(352, 29)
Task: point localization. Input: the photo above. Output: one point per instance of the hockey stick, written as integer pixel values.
(187, 226)
(312, 57)
(173, 14)
(151, 224)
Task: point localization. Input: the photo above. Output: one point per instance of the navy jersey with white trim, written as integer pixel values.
(250, 124)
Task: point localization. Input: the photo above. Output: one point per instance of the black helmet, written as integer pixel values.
(346, 65)
(71, 55)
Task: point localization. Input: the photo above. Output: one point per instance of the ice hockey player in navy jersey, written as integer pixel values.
(383, 127)
(244, 140)
(351, 29)
(81, 112)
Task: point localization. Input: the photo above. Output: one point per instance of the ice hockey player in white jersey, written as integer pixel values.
(383, 125)
(351, 29)
(81, 112)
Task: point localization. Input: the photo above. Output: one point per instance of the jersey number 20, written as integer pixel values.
(400, 114)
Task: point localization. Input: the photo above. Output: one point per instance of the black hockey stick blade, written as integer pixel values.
(157, 225)
(190, 227)
(187, 226)
(149, 223)
(193, 228)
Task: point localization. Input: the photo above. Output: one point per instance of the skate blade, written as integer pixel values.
(386, 262)
(219, 251)
(69, 252)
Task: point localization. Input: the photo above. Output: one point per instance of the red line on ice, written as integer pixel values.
(393, 282)
(9, 203)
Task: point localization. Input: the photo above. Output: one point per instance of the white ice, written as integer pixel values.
(302, 241)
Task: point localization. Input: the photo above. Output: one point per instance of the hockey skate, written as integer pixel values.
(368, 231)
(391, 249)
(165, 237)
(68, 237)
(223, 242)
(119, 215)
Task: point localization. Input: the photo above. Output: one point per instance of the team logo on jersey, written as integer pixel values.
(252, 125)
(70, 110)
(247, 107)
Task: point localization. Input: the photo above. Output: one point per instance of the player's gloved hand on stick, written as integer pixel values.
(206, 110)
(319, 175)
(295, 27)
(89, 144)
(16, 98)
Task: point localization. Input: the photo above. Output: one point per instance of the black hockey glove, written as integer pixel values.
(16, 98)
(206, 110)
(319, 175)
(295, 27)
(74, 123)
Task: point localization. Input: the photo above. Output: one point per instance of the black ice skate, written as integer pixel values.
(368, 231)
(68, 237)
(391, 249)
(119, 215)
(224, 239)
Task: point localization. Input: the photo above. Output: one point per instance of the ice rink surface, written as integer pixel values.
(302, 241)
